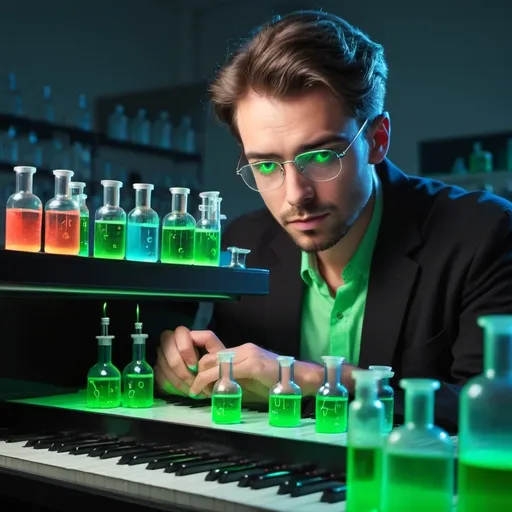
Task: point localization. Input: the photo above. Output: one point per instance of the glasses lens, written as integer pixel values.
(320, 165)
(262, 175)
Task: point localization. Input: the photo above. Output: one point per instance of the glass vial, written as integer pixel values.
(207, 234)
(178, 229)
(418, 464)
(285, 398)
(386, 395)
(332, 399)
(227, 393)
(485, 424)
(110, 224)
(23, 214)
(76, 189)
(62, 218)
(104, 379)
(364, 444)
(138, 376)
(238, 257)
(143, 227)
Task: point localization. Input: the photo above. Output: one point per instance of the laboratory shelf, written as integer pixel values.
(40, 273)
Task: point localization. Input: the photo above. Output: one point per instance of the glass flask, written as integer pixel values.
(485, 424)
(110, 224)
(143, 226)
(23, 214)
(104, 379)
(418, 462)
(207, 234)
(62, 218)
(178, 229)
(238, 257)
(332, 399)
(285, 398)
(76, 189)
(138, 376)
(386, 395)
(226, 393)
(364, 444)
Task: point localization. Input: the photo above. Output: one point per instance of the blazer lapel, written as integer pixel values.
(392, 273)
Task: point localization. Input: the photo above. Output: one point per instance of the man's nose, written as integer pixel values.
(299, 190)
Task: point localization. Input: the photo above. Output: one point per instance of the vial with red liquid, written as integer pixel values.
(23, 214)
(62, 218)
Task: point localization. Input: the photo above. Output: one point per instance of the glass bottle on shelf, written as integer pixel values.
(143, 226)
(207, 241)
(62, 218)
(24, 214)
(485, 424)
(110, 223)
(386, 395)
(226, 393)
(285, 398)
(77, 193)
(178, 228)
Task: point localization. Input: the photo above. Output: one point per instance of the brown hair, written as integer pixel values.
(301, 50)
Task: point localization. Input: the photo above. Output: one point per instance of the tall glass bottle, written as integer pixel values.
(77, 193)
(418, 456)
(285, 398)
(332, 399)
(23, 214)
(207, 235)
(178, 229)
(226, 393)
(386, 395)
(485, 425)
(104, 379)
(143, 227)
(364, 443)
(110, 224)
(62, 218)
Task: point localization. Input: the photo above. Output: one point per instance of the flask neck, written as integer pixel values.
(139, 351)
(332, 375)
(62, 186)
(419, 409)
(179, 203)
(366, 392)
(24, 181)
(498, 355)
(286, 374)
(142, 199)
(111, 196)
(104, 354)
(226, 371)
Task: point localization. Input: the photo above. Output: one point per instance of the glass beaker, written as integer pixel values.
(285, 398)
(386, 395)
(207, 234)
(238, 257)
(226, 393)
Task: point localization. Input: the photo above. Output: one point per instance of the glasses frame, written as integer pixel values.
(282, 169)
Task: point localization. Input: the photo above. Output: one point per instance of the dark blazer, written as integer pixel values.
(443, 257)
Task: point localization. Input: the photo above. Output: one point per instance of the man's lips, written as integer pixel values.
(310, 222)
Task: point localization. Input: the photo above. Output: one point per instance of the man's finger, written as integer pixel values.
(207, 340)
(207, 361)
(185, 346)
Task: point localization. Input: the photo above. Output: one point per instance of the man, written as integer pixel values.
(365, 262)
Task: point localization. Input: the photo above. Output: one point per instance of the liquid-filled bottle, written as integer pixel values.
(77, 193)
(207, 241)
(285, 398)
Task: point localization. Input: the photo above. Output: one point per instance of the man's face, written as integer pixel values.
(317, 215)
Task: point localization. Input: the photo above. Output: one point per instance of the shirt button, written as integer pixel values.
(339, 315)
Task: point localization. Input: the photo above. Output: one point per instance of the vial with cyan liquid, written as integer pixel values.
(76, 189)
(110, 224)
(285, 398)
(207, 233)
(62, 218)
(332, 399)
(178, 229)
(227, 393)
(238, 257)
(104, 379)
(386, 395)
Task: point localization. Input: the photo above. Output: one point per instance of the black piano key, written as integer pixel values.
(291, 469)
(151, 454)
(67, 446)
(214, 474)
(173, 465)
(35, 440)
(270, 479)
(119, 451)
(88, 448)
(305, 488)
(166, 460)
(193, 468)
(235, 473)
(289, 485)
(17, 438)
(58, 443)
(334, 494)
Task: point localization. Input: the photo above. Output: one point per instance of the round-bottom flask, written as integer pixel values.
(227, 393)
(285, 398)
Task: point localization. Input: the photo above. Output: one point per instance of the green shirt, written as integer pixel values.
(333, 325)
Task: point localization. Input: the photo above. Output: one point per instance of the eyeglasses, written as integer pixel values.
(317, 165)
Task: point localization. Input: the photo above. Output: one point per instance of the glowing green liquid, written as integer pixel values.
(207, 247)
(177, 245)
(103, 392)
(485, 481)
(110, 239)
(331, 414)
(364, 479)
(426, 482)
(284, 410)
(226, 409)
(389, 410)
(84, 235)
(138, 390)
